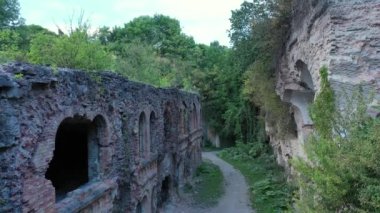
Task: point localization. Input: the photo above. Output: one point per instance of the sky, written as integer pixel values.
(204, 20)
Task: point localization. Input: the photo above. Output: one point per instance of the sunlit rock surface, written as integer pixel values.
(344, 36)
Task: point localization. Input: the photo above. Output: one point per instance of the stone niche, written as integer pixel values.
(344, 36)
(77, 142)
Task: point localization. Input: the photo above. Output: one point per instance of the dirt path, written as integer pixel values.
(235, 198)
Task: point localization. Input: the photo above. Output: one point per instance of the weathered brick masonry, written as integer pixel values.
(76, 142)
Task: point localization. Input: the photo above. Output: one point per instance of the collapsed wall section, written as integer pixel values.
(72, 141)
(344, 36)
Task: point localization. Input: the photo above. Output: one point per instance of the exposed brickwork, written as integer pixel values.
(127, 162)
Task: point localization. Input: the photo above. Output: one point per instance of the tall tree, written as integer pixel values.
(161, 32)
(10, 13)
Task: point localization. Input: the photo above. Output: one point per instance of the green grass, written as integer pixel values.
(208, 186)
(269, 191)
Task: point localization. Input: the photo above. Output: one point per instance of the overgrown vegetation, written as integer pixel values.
(269, 191)
(237, 88)
(209, 147)
(236, 84)
(257, 33)
(75, 50)
(342, 173)
(208, 185)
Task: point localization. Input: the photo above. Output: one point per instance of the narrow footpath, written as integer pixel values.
(235, 198)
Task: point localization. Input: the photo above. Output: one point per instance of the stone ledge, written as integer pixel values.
(81, 198)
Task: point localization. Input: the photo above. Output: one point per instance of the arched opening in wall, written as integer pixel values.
(179, 175)
(193, 155)
(279, 151)
(200, 118)
(143, 206)
(292, 130)
(76, 155)
(304, 97)
(183, 119)
(186, 119)
(306, 78)
(165, 191)
(153, 199)
(152, 131)
(187, 169)
(168, 126)
(139, 208)
(194, 118)
(143, 144)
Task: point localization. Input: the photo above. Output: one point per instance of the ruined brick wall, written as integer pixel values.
(344, 36)
(141, 143)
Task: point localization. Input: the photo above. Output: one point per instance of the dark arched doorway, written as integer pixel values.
(165, 192)
(76, 154)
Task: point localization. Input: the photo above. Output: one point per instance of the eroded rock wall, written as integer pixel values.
(344, 36)
(132, 144)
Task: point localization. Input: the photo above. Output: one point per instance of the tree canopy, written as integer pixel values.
(9, 13)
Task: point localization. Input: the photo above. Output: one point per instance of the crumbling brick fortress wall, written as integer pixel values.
(71, 141)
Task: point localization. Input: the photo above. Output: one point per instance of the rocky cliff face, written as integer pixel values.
(344, 36)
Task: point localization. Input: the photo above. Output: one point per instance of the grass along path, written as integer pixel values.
(207, 190)
(207, 186)
(269, 191)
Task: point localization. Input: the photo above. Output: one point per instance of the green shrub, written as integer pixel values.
(9, 46)
(342, 173)
(76, 50)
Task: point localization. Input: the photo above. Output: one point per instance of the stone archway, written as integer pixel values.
(165, 191)
(194, 117)
(301, 95)
(153, 126)
(168, 125)
(143, 147)
(76, 155)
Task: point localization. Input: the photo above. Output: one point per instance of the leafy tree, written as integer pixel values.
(237, 84)
(9, 45)
(161, 32)
(152, 50)
(140, 62)
(153, 30)
(219, 83)
(27, 33)
(103, 35)
(15, 42)
(9, 13)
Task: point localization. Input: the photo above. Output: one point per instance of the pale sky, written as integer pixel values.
(204, 20)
